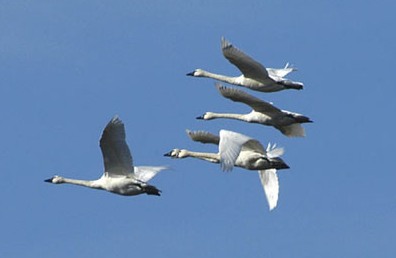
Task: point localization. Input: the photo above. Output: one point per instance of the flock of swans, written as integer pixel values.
(234, 149)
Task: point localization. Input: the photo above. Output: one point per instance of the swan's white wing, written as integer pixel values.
(281, 72)
(254, 146)
(247, 65)
(229, 148)
(203, 137)
(273, 151)
(293, 130)
(270, 183)
(145, 173)
(241, 96)
(116, 154)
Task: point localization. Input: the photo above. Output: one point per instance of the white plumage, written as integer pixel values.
(239, 150)
(254, 75)
(265, 113)
(120, 176)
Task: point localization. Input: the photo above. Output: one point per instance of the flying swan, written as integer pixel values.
(288, 123)
(239, 150)
(254, 75)
(120, 176)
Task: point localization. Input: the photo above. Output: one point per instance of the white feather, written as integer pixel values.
(145, 173)
(270, 183)
(229, 148)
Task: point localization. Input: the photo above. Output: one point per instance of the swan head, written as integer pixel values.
(177, 154)
(196, 73)
(55, 180)
(206, 116)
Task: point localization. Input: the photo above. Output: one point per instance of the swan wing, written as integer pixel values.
(283, 71)
(293, 130)
(249, 67)
(241, 96)
(229, 148)
(116, 154)
(145, 173)
(254, 146)
(270, 182)
(203, 137)
(273, 151)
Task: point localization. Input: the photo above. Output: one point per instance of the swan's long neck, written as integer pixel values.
(86, 183)
(219, 77)
(211, 115)
(211, 157)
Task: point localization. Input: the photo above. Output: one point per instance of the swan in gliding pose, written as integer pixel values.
(254, 75)
(120, 176)
(239, 150)
(289, 123)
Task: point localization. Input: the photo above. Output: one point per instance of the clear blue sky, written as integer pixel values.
(66, 67)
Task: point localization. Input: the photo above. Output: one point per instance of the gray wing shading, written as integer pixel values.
(270, 183)
(145, 173)
(255, 146)
(247, 65)
(116, 154)
(229, 148)
(203, 137)
(241, 96)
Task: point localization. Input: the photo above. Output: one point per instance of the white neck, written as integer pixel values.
(219, 77)
(91, 184)
(211, 157)
(211, 115)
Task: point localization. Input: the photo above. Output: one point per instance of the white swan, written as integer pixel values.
(236, 149)
(289, 123)
(120, 176)
(254, 75)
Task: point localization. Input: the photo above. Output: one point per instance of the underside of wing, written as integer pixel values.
(254, 145)
(116, 154)
(270, 183)
(203, 137)
(249, 67)
(293, 130)
(145, 173)
(241, 96)
(229, 148)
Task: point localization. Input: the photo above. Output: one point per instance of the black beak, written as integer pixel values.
(190, 74)
(48, 180)
(200, 117)
(168, 154)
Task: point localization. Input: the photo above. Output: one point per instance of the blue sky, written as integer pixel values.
(68, 66)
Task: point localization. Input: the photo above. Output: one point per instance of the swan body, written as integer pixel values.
(288, 123)
(254, 75)
(241, 151)
(120, 176)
